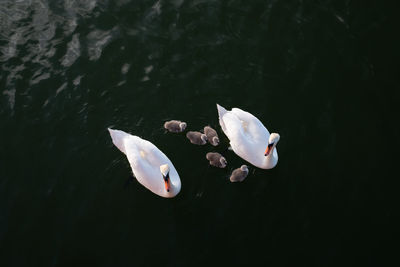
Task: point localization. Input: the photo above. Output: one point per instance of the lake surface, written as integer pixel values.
(323, 74)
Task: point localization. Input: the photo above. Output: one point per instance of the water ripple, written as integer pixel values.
(73, 51)
(98, 40)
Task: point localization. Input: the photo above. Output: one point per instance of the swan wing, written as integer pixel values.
(239, 139)
(129, 145)
(118, 138)
(142, 168)
(157, 158)
(253, 126)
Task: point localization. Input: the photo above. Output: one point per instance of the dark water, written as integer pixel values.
(323, 74)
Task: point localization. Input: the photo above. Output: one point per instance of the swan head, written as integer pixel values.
(182, 125)
(244, 168)
(165, 173)
(273, 140)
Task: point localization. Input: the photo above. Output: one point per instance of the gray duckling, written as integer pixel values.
(175, 126)
(212, 135)
(197, 138)
(239, 174)
(216, 159)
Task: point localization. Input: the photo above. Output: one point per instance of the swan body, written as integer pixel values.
(249, 138)
(150, 166)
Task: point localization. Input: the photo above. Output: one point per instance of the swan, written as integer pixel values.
(150, 166)
(249, 138)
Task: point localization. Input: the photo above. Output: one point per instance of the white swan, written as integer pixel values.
(249, 138)
(150, 166)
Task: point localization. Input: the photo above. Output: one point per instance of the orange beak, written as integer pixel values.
(167, 186)
(166, 182)
(269, 149)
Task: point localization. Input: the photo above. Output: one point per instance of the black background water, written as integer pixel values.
(321, 73)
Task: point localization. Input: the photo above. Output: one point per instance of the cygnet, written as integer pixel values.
(216, 159)
(175, 126)
(197, 138)
(239, 174)
(212, 135)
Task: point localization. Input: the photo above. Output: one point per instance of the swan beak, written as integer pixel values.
(269, 149)
(166, 182)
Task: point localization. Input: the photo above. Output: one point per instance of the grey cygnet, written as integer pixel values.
(197, 138)
(212, 135)
(239, 174)
(175, 126)
(216, 159)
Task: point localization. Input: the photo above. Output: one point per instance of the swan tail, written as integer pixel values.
(221, 113)
(118, 137)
